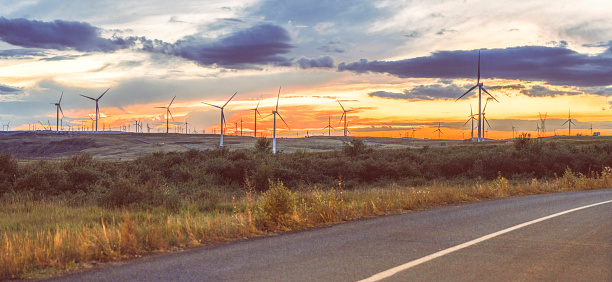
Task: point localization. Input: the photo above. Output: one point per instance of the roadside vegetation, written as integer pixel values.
(78, 211)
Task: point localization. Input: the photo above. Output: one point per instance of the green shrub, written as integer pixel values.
(263, 145)
(277, 202)
(355, 147)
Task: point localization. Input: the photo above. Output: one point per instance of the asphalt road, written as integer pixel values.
(573, 246)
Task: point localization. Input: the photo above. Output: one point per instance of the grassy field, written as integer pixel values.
(75, 212)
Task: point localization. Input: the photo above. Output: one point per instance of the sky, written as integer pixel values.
(397, 67)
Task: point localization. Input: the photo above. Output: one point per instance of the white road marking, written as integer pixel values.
(395, 270)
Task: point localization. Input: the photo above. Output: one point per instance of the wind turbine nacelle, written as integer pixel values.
(480, 84)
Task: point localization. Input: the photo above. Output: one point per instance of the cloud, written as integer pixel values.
(19, 53)
(62, 58)
(543, 91)
(557, 66)
(257, 45)
(503, 87)
(8, 89)
(331, 47)
(59, 35)
(423, 92)
(323, 62)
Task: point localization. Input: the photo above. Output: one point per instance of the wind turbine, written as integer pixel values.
(8, 127)
(329, 127)
(438, 130)
(480, 88)
(569, 122)
(413, 130)
(58, 109)
(543, 121)
(591, 129)
(222, 116)
(513, 131)
(256, 112)
(472, 118)
(538, 129)
(344, 117)
(168, 114)
(97, 108)
(275, 113)
(186, 127)
(484, 117)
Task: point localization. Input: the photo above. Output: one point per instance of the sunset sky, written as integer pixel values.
(397, 65)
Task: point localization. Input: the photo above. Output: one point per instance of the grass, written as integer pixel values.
(43, 236)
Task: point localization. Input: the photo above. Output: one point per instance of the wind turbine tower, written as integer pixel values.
(58, 109)
(438, 130)
(480, 86)
(569, 122)
(97, 108)
(168, 114)
(472, 119)
(275, 113)
(256, 112)
(328, 127)
(222, 116)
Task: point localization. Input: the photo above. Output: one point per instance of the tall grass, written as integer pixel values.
(42, 234)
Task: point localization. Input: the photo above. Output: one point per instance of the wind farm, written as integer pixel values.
(194, 149)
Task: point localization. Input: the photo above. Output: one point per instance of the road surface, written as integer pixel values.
(575, 245)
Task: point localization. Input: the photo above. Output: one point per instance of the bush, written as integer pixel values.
(263, 145)
(277, 202)
(355, 147)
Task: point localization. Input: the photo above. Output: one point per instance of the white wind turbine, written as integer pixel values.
(344, 117)
(168, 113)
(58, 109)
(569, 122)
(97, 108)
(275, 112)
(480, 88)
(256, 112)
(222, 116)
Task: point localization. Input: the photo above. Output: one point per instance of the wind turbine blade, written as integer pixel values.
(565, 122)
(266, 116)
(60, 108)
(485, 107)
(467, 121)
(60, 101)
(478, 66)
(572, 122)
(171, 101)
(211, 105)
(160, 107)
(278, 98)
(281, 117)
(229, 99)
(258, 101)
(485, 90)
(466, 92)
(257, 111)
(487, 122)
(170, 114)
(87, 97)
(103, 94)
(471, 112)
(343, 115)
(341, 105)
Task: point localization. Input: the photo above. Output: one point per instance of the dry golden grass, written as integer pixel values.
(38, 236)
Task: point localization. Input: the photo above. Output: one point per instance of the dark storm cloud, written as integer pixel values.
(504, 87)
(17, 53)
(8, 89)
(323, 62)
(258, 45)
(59, 35)
(423, 92)
(543, 91)
(558, 66)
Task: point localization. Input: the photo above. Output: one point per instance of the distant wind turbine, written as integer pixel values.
(275, 113)
(256, 112)
(513, 131)
(569, 122)
(438, 130)
(344, 117)
(97, 108)
(472, 119)
(168, 114)
(480, 88)
(58, 109)
(222, 115)
(543, 122)
(329, 127)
